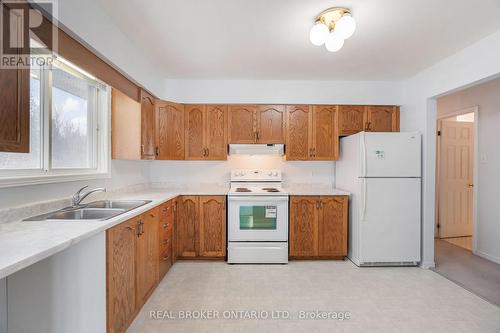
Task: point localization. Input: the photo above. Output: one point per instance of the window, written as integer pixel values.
(69, 134)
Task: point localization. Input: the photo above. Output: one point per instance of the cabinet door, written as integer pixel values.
(194, 120)
(187, 226)
(303, 226)
(148, 147)
(271, 123)
(212, 227)
(175, 224)
(14, 102)
(299, 132)
(351, 119)
(170, 131)
(216, 132)
(332, 226)
(325, 137)
(147, 255)
(120, 262)
(242, 124)
(382, 119)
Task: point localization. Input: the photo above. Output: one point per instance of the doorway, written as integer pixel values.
(455, 177)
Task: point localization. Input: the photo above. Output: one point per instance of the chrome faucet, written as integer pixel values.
(78, 197)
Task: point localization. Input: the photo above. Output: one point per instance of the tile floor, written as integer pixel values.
(378, 299)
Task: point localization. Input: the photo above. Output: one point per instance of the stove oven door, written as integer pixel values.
(258, 218)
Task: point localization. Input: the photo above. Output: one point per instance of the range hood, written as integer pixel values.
(257, 149)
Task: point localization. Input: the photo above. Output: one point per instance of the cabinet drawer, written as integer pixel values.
(166, 228)
(165, 244)
(165, 262)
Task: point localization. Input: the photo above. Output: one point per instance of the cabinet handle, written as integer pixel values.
(314, 152)
(165, 241)
(208, 152)
(157, 151)
(255, 137)
(165, 225)
(203, 152)
(166, 209)
(258, 136)
(368, 124)
(142, 148)
(152, 215)
(166, 258)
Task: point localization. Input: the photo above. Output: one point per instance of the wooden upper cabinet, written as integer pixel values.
(194, 123)
(126, 127)
(216, 132)
(242, 124)
(206, 132)
(148, 146)
(170, 130)
(271, 123)
(299, 132)
(303, 226)
(351, 119)
(187, 226)
(325, 142)
(382, 119)
(332, 226)
(212, 227)
(120, 262)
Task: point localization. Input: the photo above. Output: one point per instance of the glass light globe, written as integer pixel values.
(346, 26)
(334, 42)
(318, 34)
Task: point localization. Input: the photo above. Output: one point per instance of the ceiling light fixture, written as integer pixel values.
(332, 27)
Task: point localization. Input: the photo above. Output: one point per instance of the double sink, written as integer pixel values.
(96, 211)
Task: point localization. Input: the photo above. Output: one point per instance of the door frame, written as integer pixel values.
(475, 159)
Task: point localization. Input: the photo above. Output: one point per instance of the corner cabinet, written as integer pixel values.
(169, 131)
(312, 133)
(205, 132)
(201, 227)
(318, 227)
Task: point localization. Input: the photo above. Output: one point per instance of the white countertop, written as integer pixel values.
(24, 243)
(313, 189)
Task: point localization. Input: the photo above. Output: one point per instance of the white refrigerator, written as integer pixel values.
(383, 173)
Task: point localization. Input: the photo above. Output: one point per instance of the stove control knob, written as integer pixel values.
(275, 174)
(270, 173)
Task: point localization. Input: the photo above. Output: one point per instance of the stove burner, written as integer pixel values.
(270, 189)
(243, 189)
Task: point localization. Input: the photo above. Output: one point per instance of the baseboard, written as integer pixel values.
(427, 264)
(487, 256)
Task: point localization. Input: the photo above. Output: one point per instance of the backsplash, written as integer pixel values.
(189, 172)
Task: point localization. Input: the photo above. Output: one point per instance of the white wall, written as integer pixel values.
(123, 173)
(487, 97)
(89, 22)
(195, 172)
(285, 92)
(473, 64)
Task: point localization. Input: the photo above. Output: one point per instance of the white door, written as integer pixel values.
(390, 220)
(455, 178)
(391, 154)
(258, 218)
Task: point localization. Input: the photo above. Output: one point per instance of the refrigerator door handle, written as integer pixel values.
(363, 211)
(363, 155)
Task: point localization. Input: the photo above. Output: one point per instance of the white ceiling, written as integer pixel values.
(269, 39)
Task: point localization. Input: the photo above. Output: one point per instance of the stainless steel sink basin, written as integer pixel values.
(117, 204)
(96, 211)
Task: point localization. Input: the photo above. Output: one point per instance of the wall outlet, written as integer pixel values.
(483, 158)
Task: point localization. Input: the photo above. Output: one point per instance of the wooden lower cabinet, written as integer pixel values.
(201, 227)
(121, 273)
(166, 239)
(318, 227)
(132, 252)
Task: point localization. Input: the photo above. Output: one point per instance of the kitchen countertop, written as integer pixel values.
(23, 243)
(313, 189)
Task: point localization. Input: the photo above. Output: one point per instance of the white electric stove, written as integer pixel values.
(257, 217)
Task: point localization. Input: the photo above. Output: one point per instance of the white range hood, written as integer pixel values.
(257, 149)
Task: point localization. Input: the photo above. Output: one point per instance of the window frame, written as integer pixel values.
(100, 125)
